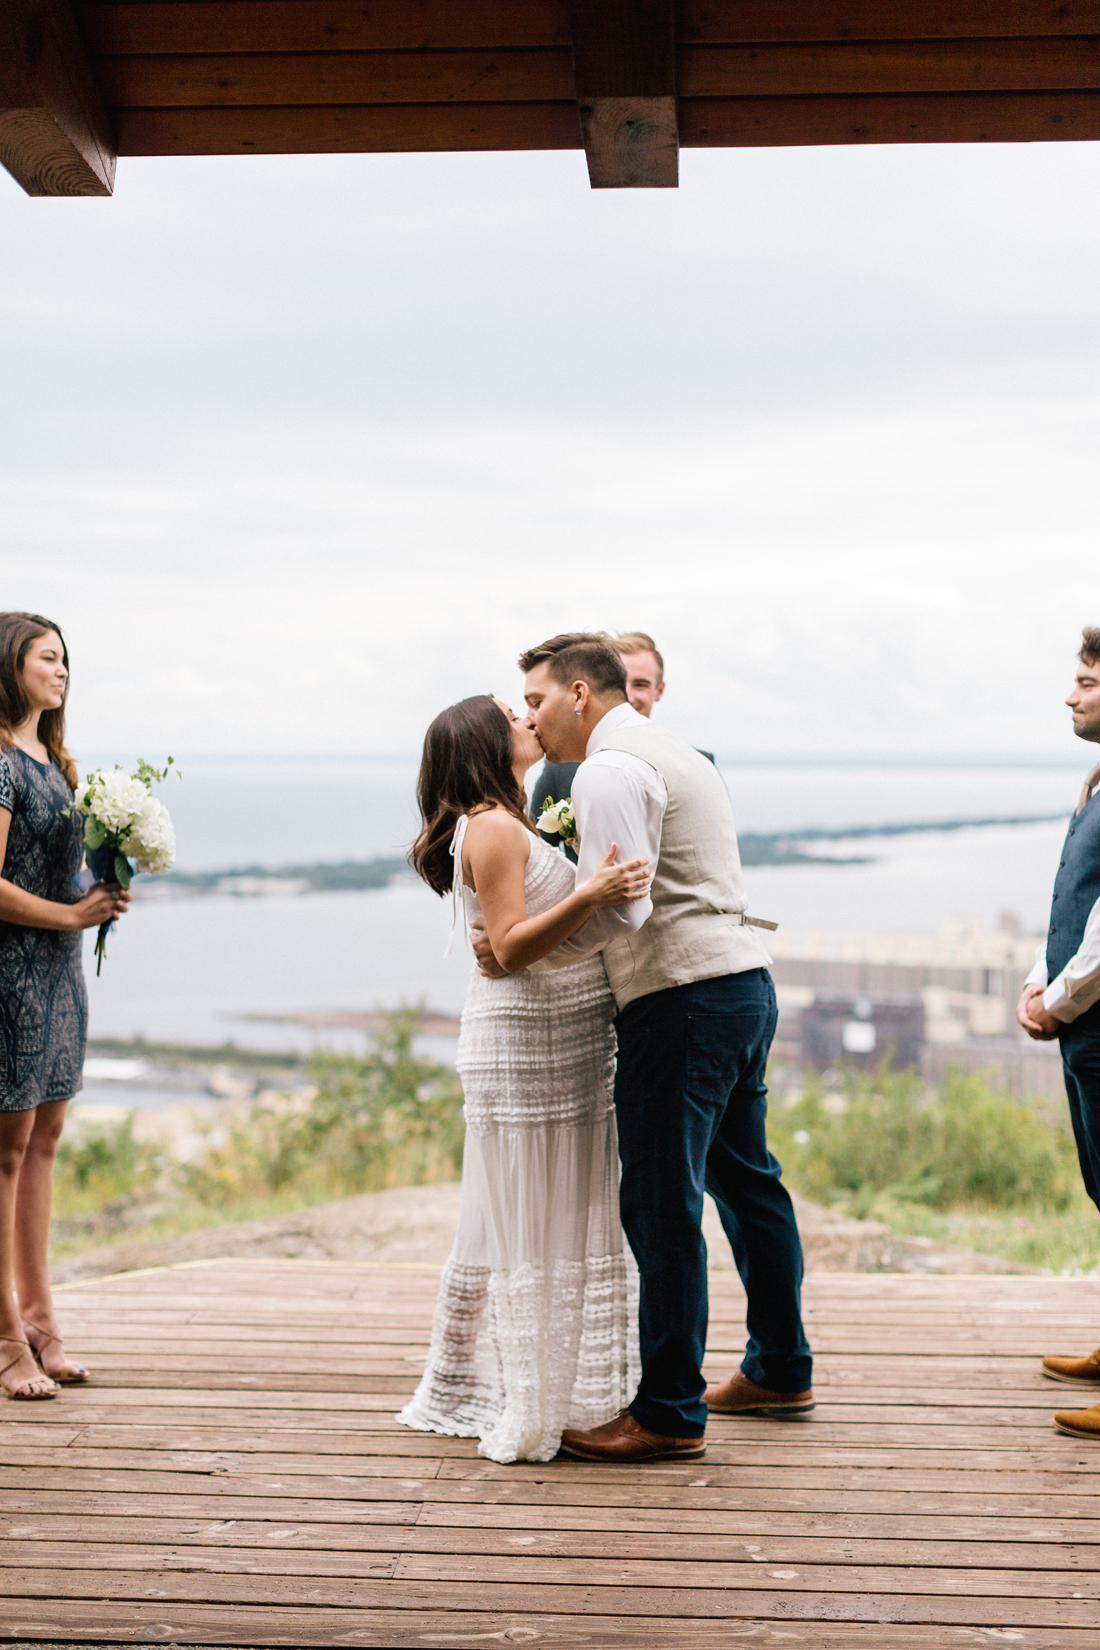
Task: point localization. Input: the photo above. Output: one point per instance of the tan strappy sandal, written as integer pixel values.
(76, 1375)
(19, 1391)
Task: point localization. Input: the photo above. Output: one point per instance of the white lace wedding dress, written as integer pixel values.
(535, 1326)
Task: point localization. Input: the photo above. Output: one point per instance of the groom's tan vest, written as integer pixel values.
(698, 892)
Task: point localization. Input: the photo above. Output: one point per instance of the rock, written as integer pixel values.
(414, 1226)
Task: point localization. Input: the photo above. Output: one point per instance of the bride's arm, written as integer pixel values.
(497, 849)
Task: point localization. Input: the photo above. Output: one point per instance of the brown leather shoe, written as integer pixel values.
(1080, 1423)
(740, 1396)
(624, 1439)
(1074, 1371)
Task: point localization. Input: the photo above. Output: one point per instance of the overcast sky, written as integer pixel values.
(299, 450)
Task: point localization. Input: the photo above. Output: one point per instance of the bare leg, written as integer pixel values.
(15, 1132)
(32, 1238)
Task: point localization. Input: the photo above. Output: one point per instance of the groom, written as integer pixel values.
(695, 1022)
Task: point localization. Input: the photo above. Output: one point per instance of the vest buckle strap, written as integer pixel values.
(745, 921)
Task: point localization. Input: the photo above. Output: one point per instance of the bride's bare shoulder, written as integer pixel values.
(496, 825)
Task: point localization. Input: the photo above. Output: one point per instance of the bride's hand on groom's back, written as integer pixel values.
(612, 884)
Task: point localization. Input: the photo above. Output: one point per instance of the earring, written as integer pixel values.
(577, 711)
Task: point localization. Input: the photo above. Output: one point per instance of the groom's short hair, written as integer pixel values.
(579, 656)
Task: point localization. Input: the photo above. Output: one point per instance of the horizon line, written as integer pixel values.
(736, 759)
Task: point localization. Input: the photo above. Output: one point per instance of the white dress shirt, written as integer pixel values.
(1077, 987)
(617, 797)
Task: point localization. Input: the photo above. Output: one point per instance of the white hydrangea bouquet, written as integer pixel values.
(557, 819)
(126, 829)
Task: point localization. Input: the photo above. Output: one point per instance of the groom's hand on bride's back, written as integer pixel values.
(483, 951)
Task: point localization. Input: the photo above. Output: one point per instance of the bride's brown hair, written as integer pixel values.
(467, 764)
(17, 632)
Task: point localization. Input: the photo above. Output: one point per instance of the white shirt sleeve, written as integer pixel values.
(1077, 987)
(1038, 975)
(616, 798)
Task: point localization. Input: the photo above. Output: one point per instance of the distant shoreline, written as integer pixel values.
(758, 848)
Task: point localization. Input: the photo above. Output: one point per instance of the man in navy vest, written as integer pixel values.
(1062, 995)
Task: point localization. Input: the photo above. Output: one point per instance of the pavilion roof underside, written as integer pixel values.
(190, 77)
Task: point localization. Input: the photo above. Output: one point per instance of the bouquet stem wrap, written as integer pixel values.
(106, 866)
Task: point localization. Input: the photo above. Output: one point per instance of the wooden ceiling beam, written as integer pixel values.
(243, 79)
(734, 21)
(55, 138)
(403, 128)
(871, 67)
(624, 56)
(176, 26)
(978, 117)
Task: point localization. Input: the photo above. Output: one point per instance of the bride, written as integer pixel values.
(532, 1330)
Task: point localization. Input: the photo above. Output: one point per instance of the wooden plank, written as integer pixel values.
(571, 1565)
(401, 129)
(624, 52)
(328, 1496)
(989, 117)
(1065, 1464)
(777, 1527)
(387, 1629)
(797, 20)
(890, 1581)
(177, 26)
(253, 1567)
(55, 138)
(380, 1435)
(253, 1544)
(565, 1597)
(286, 80)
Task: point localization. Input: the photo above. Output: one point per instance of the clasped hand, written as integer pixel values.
(1039, 1024)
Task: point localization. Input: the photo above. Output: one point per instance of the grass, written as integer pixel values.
(963, 1165)
(363, 1124)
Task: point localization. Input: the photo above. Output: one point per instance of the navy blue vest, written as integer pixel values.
(1076, 891)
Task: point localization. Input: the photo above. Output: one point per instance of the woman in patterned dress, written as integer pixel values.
(533, 1327)
(43, 1004)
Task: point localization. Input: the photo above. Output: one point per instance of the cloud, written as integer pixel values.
(300, 449)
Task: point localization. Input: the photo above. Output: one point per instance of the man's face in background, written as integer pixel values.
(644, 684)
(1084, 702)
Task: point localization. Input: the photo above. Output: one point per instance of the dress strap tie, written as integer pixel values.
(458, 903)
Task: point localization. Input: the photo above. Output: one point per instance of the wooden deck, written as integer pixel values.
(235, 1477)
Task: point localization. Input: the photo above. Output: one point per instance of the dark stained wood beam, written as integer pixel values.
(244, 79)
(55, 138)
(403, 128)
(179, 26)
(980, 117)
(733, 21)
(624, 56)
(870, 67)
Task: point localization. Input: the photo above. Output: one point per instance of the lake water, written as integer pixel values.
(193, 970)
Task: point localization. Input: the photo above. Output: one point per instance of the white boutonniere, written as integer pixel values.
(557, 819)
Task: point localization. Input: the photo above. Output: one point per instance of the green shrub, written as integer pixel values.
(386, 1119)
(100, 1163)
(962, 1146)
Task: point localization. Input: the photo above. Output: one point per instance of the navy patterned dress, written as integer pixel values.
(43, 1000)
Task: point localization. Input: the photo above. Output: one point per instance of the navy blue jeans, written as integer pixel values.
(691, 1101)
(1081, 1068)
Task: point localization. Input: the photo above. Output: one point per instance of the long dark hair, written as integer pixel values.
(17, 632)
(467, 764)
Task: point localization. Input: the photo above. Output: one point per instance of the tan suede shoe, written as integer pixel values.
(625, 1440)
(740, 1396)
(1074, 1371)
(1080, 1423)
